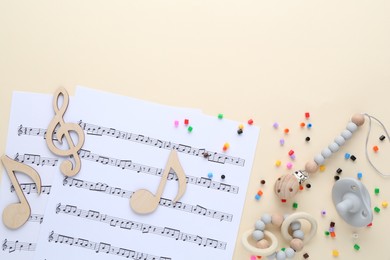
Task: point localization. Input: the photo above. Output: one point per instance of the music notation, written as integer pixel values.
(13, 246)
(102, 187)
(35, 159)
(142, 227)
(100, 247)
(130, 165)
(31, 187)
(91, 129)
(36, 218)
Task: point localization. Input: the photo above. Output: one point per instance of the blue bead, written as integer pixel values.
(347, 155)
(359, 175)
(257, 197)
(210, 175)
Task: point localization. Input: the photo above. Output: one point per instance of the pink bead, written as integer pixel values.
(289, 165)
(176, 123)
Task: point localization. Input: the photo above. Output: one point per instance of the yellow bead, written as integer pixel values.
(335, 253)
(241, 126)
(278, 163)
(385, 204)
(322, 168)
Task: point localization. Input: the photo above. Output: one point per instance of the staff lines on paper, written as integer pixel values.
(13, 246)
(31, 187)
(101, 247)
(95, 130)
(130, 165)
(35, 159)
(36, 218)
(144, 228)
(102, 187)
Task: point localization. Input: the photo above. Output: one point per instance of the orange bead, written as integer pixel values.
(332, 234)
(302, 124)
(375, 148)
(260, 193)
(286, 130)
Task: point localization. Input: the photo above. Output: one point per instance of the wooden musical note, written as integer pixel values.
(145, 202)
(60, 129)
(15, 215)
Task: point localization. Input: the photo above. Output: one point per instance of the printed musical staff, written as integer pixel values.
(102, 187)
(91, 129)
(142, 227)
(100, 247)
(13, 246)
(36, 218)
(31, 187)
(130, 165)
(35, 159)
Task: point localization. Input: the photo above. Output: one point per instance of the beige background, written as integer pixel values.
(269, 60)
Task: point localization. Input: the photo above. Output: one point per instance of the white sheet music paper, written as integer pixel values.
(126, 149)
(27, 109)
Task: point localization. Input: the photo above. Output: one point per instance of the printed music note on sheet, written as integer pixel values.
(60, 129)
(145, 202)
(15, 215)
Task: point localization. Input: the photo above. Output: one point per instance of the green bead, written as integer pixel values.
(327, 233)
(356, 246)
(376, 191)
(190, 129)
(220, 116)
(295, 205)
(377, 210)
(283, 249)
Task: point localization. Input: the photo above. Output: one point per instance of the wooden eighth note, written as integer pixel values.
(61, 129)
(15, 215)
(144, 202)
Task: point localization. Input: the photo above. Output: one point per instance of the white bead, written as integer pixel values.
(258, 235)
(346, 134)
(266, 218)
(298, 234)
(319, 159)
(290, 253)
(281, 255)
(272, 256)
(351, 127)
(295, 225)
(260, 225)
(326, 152)
(334, 147)
(339, 140)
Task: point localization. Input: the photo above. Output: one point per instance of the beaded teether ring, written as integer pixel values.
(297, 240)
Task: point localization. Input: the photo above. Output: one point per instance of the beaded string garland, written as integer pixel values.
(288, 185)
(297, 238)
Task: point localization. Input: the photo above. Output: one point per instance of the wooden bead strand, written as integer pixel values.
(286, 186)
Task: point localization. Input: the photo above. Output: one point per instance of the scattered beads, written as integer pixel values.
(375, 148)
(186, 121)
(278, 163)
(356, 247)
(307, 139)
(253, 257)
(286, 130)
(322, 168)
(376, 191)
(333, 234)
(382, 137)
(355, 236)
(281, 141)
(223, 176)
(302, 124)
(306, 255)
(262, 182)
(257, 197)
(295, 205)
(250, 122)
(360, 175)
(239, 131)
(241, 126)
(309, 125)
(210, 175)
(323, 213)
(332, 224)
(385, 204)
(308, 185)
(291, 152)
(206, 155)
(275, 125)
(377, 210)
(220, 116)
(335, 253)
(307, 115)
(336, 177)
(190, 128)
(327, 233)
(260, 193)
(176, 123)
(347, 155)
(339, 170)
(353, 157)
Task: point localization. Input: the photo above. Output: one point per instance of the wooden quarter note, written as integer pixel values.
(144, 202)
(16, 214)
(61, 129)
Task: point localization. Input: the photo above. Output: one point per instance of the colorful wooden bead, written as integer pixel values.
(296, 244)
(277, 220)
(358, 119)
(351, 127)
(263, 243)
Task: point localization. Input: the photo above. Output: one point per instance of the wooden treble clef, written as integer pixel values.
(60, 129)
